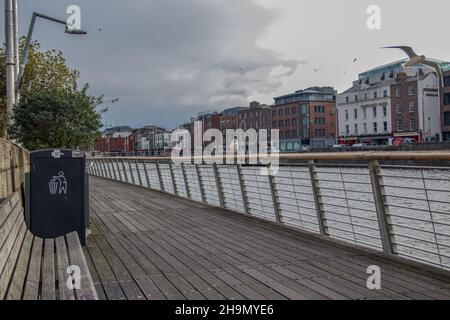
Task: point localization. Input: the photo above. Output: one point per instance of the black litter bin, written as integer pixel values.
(58, 194)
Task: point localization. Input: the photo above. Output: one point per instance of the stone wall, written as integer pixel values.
(14, 163)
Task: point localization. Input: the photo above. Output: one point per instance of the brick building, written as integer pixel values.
(415, 108)
(114, 145)
(230, 118)
(306, 119)
(256, 117)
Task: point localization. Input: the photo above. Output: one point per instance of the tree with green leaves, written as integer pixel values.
(52, 112)
(56, 118)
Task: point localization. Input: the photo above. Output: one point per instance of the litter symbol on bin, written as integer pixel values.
(58, 184)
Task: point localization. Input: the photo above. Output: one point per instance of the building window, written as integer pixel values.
(412, 124)
(304, 108)
(356, 98)
(398, 93)
(366, 96)
(319, 109)
(447, 99)
(287, 111)
(385, 93)
(412, 107)
(399, 108)
(288, 134)
(294, 133)
(375, 127)
(347, 117)
(319, 121)
(365, 128)
(288, 123)
(447, 118)
(294, 110)
(365, 113)
(356, 128)
(410, 90)
(347, 99)
(347, 129)
(281, 124)
(384, 111)
(375, 95)
(399, 125)
(320, 132)
(447, 81)
(294, 121)
(281, 134)
(375, 112)
(356, 114)
(274, 113)
(385, 126)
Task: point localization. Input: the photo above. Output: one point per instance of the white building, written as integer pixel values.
(390, 102)
(163, 140)
(365, 111)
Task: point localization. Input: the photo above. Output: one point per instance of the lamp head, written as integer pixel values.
(75, 31)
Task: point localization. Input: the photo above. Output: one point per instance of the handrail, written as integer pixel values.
(392, 209)
(328, 156)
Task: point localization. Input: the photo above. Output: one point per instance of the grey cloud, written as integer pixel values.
(168, 59)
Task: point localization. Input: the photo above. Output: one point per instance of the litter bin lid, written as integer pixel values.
(56, 154)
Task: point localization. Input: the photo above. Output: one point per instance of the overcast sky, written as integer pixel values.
(167, 60)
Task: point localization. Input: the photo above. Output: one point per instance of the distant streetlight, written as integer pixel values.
(26, 49)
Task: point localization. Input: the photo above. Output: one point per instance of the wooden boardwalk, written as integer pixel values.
(148, 245)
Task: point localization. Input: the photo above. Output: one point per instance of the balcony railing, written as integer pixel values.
(396, 209)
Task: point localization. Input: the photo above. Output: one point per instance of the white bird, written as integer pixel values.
(415, 59)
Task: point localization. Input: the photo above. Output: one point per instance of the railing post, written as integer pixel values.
(317, 197)
(110, 176)
(105, 167)
(382, 217)
(243, 192)
(219, 185)
(186, 181)
(138, 173)
(113, 169)
(102, 169)
(131, 172)
(160, 179)
(119, 172)
(200, 183)
(125, 175)
(99, 169)
(105, 171)
(273, 191)
(144, 163)
(94, 167)
(172, 174)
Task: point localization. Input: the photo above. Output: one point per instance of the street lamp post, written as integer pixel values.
(10, 59)
(26, 49)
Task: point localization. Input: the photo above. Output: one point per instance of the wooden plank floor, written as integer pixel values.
(148, 245)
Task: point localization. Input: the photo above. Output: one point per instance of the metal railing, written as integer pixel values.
(403, 211)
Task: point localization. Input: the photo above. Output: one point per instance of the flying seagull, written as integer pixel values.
(415, 59)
